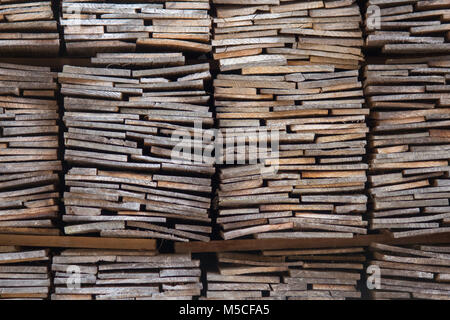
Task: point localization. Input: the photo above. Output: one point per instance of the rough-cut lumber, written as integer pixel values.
(24, 273)
(131, 275)
(289, 96)
(94, 26)
(409, 27)
(139, 145)
(409, 146)
(77, 242)
(330, 274)
(248, 36)
(271, 244)
(244, 276)
(411, 272)
(28, 28)
(287, 275)
(29, 154)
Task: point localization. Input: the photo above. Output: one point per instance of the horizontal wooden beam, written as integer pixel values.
(77, 242)
(56, 62)
(275, 244)
(215, 246)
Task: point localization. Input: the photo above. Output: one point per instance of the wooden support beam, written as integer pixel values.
(272, 244)
(57, 62)
(77, 242)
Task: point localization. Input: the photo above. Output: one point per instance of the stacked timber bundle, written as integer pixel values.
(118, 26)
(417, 272)
(288, 274)
(324, 274)
(29, 165)
(122, 128)
(408, 26)
(24, 273)
(28, 27)
(93, 274)
(245, 276)
(266, 33)
(410, 148)
(294, 105)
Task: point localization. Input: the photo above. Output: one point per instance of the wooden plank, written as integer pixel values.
(78, 242)
(270, 244)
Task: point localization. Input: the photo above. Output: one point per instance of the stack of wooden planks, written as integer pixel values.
(28, 28)
(24, 273)
(417, 272)
(408, 26)
(268, 32)
(410, 145)
(123, 126)
(284, 94)
(88, 274)
(307, 274)
(245, 276)
(29, 161)
(324, 274)
(118, 26)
